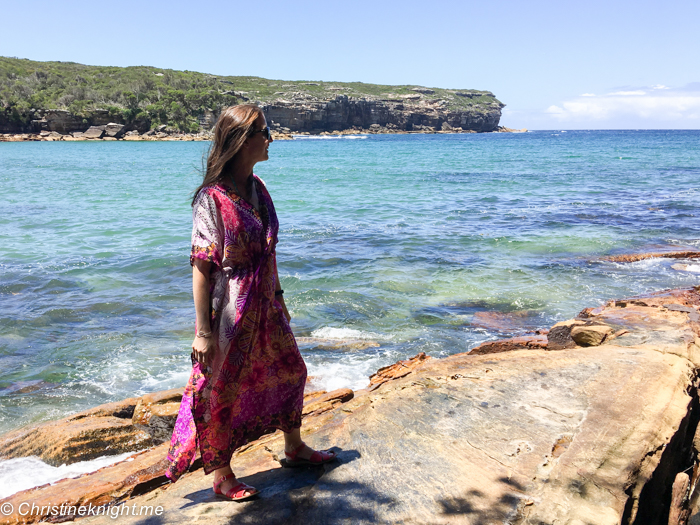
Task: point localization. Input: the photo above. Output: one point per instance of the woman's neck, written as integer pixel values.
(240, 176)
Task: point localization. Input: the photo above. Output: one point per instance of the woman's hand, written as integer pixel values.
(280, 299)
(204, 349)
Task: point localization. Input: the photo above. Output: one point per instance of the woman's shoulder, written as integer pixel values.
(209, 193)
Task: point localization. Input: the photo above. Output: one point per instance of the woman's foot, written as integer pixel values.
(304, 455)
(227, 486)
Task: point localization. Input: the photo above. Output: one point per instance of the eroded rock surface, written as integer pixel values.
(527, 342)
(101, 431)
(156, 413)
(584, 435)
(139, 474)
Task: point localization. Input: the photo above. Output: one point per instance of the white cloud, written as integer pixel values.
(658, 106)
(628, 93)
(588, 95)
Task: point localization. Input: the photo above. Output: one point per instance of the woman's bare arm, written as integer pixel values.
(203, 347)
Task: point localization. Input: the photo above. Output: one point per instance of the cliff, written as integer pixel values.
(594, 422)
(65, 97)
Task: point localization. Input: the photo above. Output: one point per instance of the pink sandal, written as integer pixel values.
(237, 493)
(319, 457)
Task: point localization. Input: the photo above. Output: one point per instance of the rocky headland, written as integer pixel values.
(68, 101)
(593, 421)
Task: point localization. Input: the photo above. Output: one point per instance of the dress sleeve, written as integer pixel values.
(207, 242)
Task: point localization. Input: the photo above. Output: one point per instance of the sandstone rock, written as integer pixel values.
(317, 403)
(590, 335)
(641, 256)
(144, 471)
(102, 431)
(595, 435)
(591, 436)
(395, 371)
(156, 413)
(114, 130)
(94, 132)
(680, 499)
(559, 336)
(63, 121)
(139, 474)
(343, 112)
(508, 345)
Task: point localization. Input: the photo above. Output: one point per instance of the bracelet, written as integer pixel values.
(204, 335)
(279, 292)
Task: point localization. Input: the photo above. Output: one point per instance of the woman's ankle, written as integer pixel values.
(221, 472)
(289, 448)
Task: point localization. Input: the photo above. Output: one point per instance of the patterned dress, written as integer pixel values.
(256, 382)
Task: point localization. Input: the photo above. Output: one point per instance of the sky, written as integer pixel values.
(556, 65)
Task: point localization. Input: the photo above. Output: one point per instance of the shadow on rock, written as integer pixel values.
(303, 495)
(471, 505)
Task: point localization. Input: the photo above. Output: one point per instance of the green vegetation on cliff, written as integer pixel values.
(177, 98)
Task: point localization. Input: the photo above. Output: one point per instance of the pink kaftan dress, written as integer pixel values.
(256, 382)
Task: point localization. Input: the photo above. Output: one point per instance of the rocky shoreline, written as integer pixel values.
(113, 132)
(592, 421)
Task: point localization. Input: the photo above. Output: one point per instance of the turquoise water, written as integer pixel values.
(402, 240)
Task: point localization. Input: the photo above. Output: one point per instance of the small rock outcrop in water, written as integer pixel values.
(633, 257)
(599, 434)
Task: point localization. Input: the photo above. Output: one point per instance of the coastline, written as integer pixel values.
(593, 419)
(98, 133)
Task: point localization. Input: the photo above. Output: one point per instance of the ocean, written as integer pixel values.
(417, 243)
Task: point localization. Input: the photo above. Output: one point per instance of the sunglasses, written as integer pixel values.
(265, 131)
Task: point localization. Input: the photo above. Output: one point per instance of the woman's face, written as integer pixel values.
(257, 143)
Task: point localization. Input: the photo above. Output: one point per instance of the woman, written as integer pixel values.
(248, 376)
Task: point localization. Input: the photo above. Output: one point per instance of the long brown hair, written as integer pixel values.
(232, 129)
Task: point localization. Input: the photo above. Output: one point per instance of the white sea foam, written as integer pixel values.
(331, 376)
(643, 264)
(329, 332)
(350, 372)
(693, 268)
(24, 473)
(328, 137)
